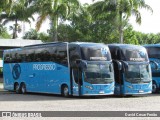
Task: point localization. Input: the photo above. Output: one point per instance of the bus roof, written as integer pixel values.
(152, 45)
(49, 43)
(125, 46)
(81, 44)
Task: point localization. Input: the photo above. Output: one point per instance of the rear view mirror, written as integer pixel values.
(125, 65)
(119, 64)
(82, 64)
(155, 64)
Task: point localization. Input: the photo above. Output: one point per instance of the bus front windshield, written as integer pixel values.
(135, 55)
(99, 73)
(96, 53)
(138, 73)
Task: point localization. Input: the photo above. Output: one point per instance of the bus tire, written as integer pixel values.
(154, 87)
(65, 91)
(16, 88)
(23, 88)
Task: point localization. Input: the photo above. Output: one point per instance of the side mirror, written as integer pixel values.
(125, 65)
(155, 64)
(119, 64)
(81, 64)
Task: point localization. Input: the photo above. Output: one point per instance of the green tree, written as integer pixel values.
(3, 32)
(122, 9)
(34, 35)
(20, 12)
(18, 29)
(130, 36)
(54, 10)
(6, 6)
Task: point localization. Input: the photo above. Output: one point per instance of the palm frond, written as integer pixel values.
(41, 19)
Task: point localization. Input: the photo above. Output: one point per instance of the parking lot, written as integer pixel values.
(10, 101)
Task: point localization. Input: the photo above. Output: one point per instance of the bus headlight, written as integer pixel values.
(89, 87)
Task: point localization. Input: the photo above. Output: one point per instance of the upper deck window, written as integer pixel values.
(95, 53)
(137, 55)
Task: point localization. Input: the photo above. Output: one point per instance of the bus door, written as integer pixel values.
(118, 78)
(76, 81)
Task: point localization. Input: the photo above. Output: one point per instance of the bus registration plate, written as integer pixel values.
(141, 91)
(101, 92)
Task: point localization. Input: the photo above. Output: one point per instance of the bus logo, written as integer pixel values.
(104, 51)
(16, 71)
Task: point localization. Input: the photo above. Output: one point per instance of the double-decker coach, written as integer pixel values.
(77, 68)
(132, 69)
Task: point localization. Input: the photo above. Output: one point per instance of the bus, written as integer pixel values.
(154, 55)
(132, 69)
(69, 69)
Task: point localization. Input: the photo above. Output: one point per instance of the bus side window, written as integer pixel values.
(22, 56)
(62, 55)
(6, 58)
(52, 53)
(14, 57)
(30, 55)
(119, 55)
(46, 55)
(38, 55)
(74, 54)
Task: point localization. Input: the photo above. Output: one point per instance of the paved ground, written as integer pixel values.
(9, 101)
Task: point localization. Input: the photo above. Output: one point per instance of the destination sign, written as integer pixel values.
(137, 59)
(98, 58)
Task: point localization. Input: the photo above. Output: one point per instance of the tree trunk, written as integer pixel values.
(121, 34)
(120, 28)
(55, 23)
(15, 30)
(54, 30)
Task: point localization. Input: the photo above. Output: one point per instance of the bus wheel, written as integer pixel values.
(17, 88)
(23, 88)
(65, 91)
(154, 87)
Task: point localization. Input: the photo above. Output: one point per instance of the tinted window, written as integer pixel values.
(153, 52)
(22, 56)
(116, 54)
(46, 55)
(95, 54)
(61, 55)
(74, 54)
(7, 58)
(135, 54)
(38, 55)
(52, 53)
(30, 55)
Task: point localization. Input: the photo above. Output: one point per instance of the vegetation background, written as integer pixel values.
(104, 21)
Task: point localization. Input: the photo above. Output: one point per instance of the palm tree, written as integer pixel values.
(20, 12)
(122, 9)
(54, 10)
(18, 29)
(6, 5)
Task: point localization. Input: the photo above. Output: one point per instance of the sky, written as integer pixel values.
(150, 21)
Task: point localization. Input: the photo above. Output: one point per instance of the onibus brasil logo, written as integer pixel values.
(16, 71)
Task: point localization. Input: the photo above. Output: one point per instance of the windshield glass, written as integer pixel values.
(95, 53)
(137, 55)
(99, 73)
(138, 73)
(153, 52)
